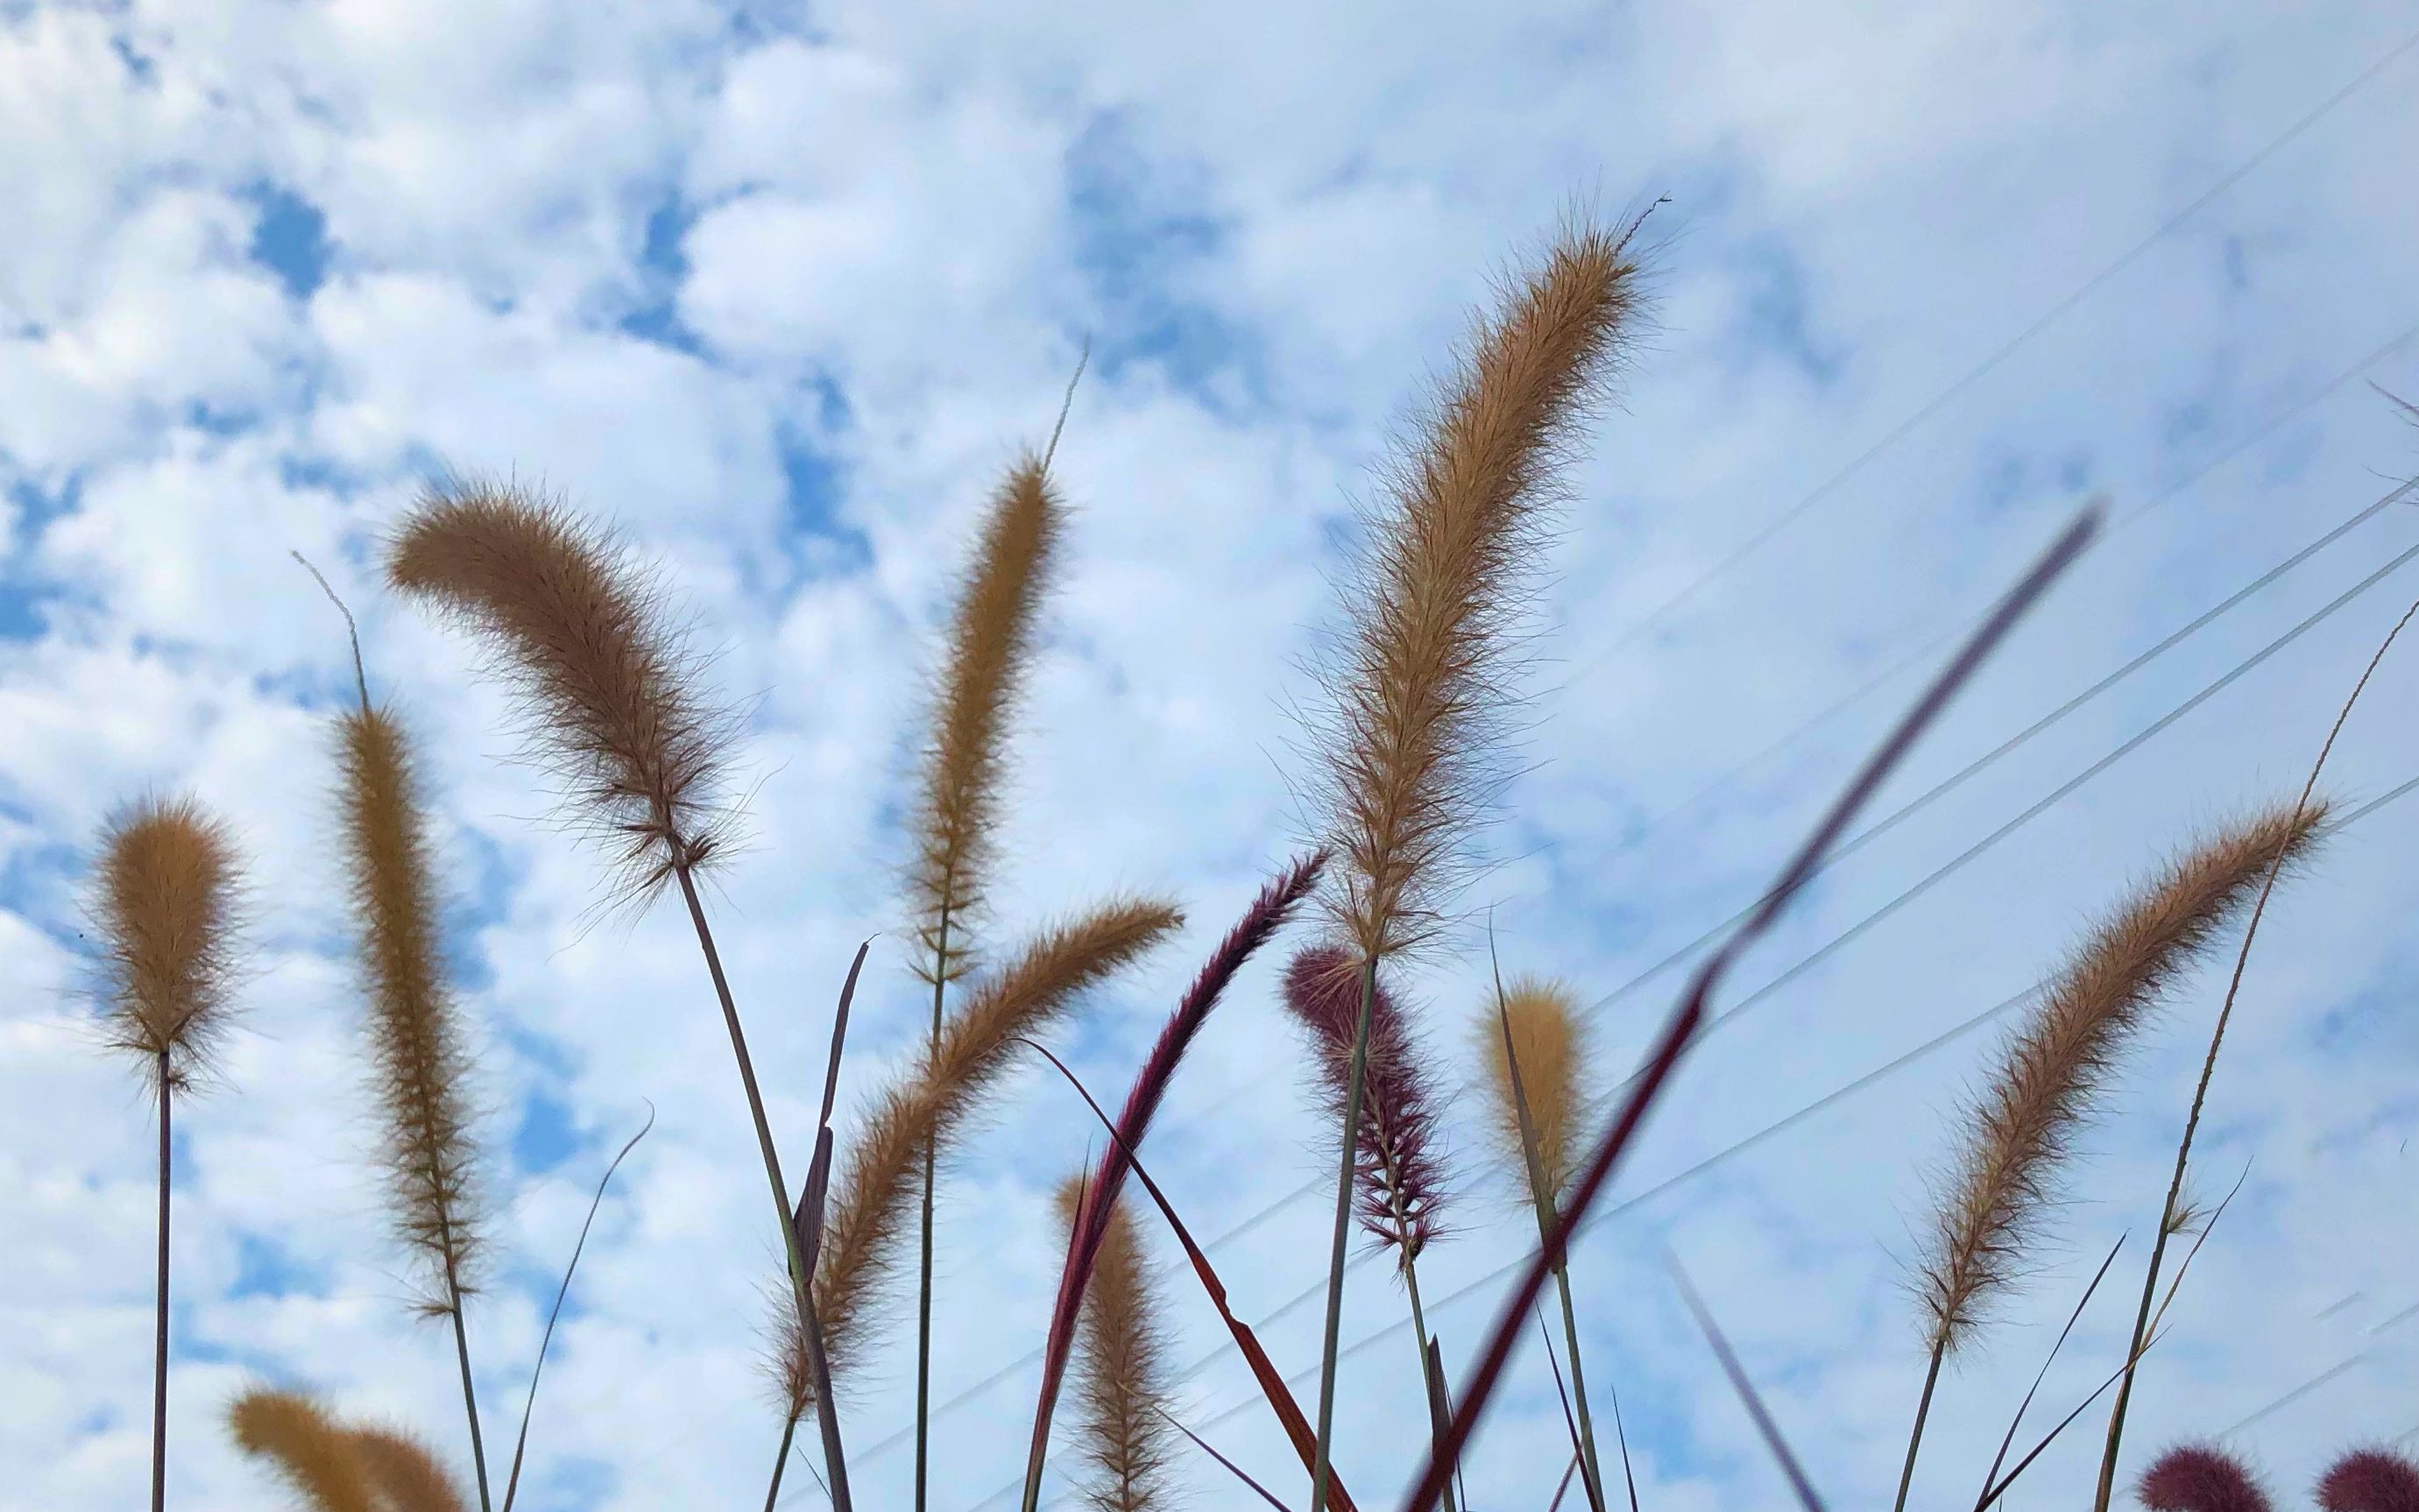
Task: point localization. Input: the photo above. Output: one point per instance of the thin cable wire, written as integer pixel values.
(1972, 852)
(2008, 348)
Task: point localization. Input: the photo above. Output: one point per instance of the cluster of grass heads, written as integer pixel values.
(1410, 761)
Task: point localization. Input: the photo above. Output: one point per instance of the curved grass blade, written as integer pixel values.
(1272, 1387)
(520, 1445)
(2001, 1457)
(1680, 1029)
(1232, 1468)
(1807, 1495)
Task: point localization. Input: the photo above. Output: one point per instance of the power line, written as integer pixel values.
(1908, 896)
(1723, 1157)
(1975, 374)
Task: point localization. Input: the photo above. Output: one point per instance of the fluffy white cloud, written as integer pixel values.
(782, 297)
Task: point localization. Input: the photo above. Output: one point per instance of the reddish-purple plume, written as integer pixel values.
(1268, 914)
(2196, 1477)
(1398, 1182)
(2370, 1480)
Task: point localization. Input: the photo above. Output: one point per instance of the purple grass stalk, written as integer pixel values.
(1681, 1028)
(1268, 912)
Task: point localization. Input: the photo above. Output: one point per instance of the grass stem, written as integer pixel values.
(924, 1238)
(1321, 1466)
(159, 1333)
(1915, 1435)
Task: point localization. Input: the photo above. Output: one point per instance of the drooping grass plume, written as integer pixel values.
(989, 649)
(1425, 684)
(1269, 911)
(871, 1201)
(2370, 1480)
(1121, 1367)
(2054, 1071)
(2173, 1218)
(166, 904)
(614, 708)
(420, 1063)
(1422, 690)
(611, 687)
(1398, 1176)
(1548, 1043)
(2200, 1479)
(316, 1457)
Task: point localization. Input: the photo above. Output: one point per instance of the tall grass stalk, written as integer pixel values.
(2169, 1212)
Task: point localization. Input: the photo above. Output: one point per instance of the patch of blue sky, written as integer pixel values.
(290, 238)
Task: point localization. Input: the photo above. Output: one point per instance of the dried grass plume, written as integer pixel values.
(1549, 1045)
(876, 1194)
(1424, 683)
(990, 648)
(318, 1459)
(1121, 1369)
(2054, 1068)
(613, 706)
(420, 1067)
(1398, 1177)
(166, 906)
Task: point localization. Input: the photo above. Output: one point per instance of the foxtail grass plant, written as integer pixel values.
(1423, 688)
(876, 1190)
(2201, 1478)
(2056, 1069)
(988, 653)
(2370, 1480)
(2281, 860)
(614, 711)
(420, 1067)
(1121, 1366)
(166, 906)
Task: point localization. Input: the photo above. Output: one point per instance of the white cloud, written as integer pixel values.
(889, 233)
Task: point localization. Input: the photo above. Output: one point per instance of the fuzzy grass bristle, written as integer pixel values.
(1424, 686)
(1398, 1176)
(1549, 1046)
(2055, 1069)
(2200, 1479)
(1121, 1369)
(167, 907)
(875, 1194)
(402, 1469)
(317, 1458)
(2370, 1480)
(420, 1067)
(990, 650)
(613, 705)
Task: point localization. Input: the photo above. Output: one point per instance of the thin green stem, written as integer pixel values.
(1594, 1477)
(159, 1333)
(780, 1461)
(1321, 1468)
(924, 1246)
(1438, 1412)
(801, 1282)
(469, 1395)
(1922, 1411)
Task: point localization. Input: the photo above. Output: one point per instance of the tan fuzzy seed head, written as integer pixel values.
(1549, 1044)
(166, 909)
(1425, 685)
(2053, 1070)
(611, 691)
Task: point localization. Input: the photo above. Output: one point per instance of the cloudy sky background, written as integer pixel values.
(781, 291)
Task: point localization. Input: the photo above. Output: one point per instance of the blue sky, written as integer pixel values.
(778, 292)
